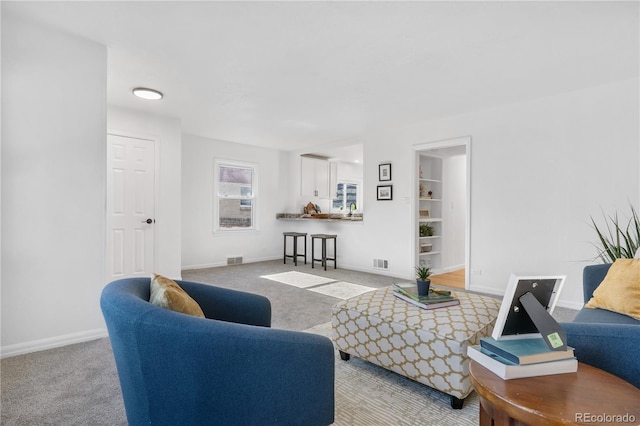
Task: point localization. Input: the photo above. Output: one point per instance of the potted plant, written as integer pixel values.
(615, 240)
(426, 230)
(422, 280)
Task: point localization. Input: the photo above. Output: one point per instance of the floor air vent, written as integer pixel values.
(234, 260)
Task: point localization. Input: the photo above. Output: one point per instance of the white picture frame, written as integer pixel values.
(513, 322)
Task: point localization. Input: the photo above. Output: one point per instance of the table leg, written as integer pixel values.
(485, 418)
(490, 416)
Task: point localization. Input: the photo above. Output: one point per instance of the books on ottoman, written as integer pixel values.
(427, 305)
(411, 290)
(524, 351)
(507, 370)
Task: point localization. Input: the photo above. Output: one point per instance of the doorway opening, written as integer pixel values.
(442, 210)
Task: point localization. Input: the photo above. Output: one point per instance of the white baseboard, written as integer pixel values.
(452, 268)
(487, 290)
(371, 270)
(570, 305)
(52, 342)
(561, 303)
(218, 264)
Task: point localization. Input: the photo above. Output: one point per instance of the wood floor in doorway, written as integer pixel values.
(451, 279)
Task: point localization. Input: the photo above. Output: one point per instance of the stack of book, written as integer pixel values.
(435, 299)
(519, 358)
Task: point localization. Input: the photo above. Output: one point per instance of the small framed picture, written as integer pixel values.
(384, 172)
(385, 192)
(425, 214)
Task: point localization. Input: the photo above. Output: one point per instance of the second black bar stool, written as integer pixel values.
(324, 258)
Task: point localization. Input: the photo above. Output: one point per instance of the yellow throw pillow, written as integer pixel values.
(620, 290)
(166, 293)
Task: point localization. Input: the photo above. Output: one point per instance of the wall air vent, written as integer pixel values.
(380, 264)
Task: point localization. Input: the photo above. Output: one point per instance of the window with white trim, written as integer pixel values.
(347, 197)
(234, 196)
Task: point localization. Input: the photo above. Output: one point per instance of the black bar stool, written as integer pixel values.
(324, 238)
(295, 254)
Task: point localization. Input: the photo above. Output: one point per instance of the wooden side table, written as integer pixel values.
(589, 396)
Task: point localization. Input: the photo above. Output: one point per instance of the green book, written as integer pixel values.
(435, 295)
(524, 351)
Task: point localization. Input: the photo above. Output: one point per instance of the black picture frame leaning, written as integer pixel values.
(384, 172)
(385, 192)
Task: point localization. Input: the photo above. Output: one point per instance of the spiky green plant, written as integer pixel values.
(422, 273)
(616, 241)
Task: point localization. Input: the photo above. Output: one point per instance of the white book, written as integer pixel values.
(508, 370)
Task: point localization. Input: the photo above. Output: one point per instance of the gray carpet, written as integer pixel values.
(78, 384)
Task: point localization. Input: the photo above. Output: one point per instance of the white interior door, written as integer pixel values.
(130, 206)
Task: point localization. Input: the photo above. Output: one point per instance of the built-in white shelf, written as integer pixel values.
(429, 210)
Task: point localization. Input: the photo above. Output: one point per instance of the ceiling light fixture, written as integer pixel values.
(144, 93)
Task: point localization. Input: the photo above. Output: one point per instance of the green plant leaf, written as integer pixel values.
(615, 240)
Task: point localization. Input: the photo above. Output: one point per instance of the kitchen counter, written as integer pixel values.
(322, 217)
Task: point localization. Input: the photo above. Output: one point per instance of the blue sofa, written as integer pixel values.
(605, 339)
(229, 368)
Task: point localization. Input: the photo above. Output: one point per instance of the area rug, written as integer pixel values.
(298, 279)
(342, 289)
(327, 286)
(368, 395)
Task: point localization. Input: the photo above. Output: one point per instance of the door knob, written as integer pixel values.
(149, 221)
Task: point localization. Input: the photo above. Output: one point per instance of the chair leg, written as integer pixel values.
(285, 250)
(305, 249)
(313, 253)
(324, 253)
(335, 253)
(295, 251)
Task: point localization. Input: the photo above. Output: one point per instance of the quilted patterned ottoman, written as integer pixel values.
(428, 346)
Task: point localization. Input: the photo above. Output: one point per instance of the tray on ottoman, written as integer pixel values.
(428, 346)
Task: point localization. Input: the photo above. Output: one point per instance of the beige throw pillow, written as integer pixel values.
(166, 293)
(620, 290)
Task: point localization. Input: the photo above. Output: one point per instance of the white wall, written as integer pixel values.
(167, 131)
(539, 170)
(201, 247)
(53, 186)
(454, 210)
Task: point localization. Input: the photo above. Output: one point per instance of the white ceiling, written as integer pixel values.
(295, 75)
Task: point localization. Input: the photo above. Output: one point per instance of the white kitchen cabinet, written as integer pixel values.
(315, 177)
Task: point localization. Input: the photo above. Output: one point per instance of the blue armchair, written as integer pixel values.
(605, 339)
(229, 368)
